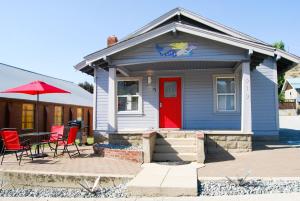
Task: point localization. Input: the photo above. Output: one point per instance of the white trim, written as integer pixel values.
(276, 94)
(183, 28)
(193, 16)
(95, 100)
(288, 56)
(236, 94)
(112, 99)
(246, 109)
(139, 95)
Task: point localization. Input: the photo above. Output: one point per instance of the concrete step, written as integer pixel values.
(176, 141)
(174, 157)
(163, 148)
(176, 134)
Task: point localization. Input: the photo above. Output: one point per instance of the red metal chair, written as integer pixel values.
(69, 141)
(11, 143)
(57, 133)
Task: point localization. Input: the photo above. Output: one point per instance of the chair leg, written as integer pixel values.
(77, 148)
(21, 157)
(55, 150)
(30, 153)
(3, 154)
(66, 147)
(16, 155)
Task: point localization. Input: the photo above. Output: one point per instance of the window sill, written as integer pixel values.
(127, 113)
(227, 112)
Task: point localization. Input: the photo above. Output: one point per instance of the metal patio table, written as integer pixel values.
(36, 138)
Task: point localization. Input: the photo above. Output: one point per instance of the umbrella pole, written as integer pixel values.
(37, 113)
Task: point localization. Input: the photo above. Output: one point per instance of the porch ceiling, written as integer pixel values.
(181, 65)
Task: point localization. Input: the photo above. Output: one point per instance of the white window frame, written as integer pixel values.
(216, 94)
(140, 97)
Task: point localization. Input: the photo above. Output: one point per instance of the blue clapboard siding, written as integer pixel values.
(264, 87)
(148, 119)
(206, 50)
(198, 108)
(102, 100)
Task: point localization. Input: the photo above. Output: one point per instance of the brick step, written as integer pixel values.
(162, 148)
(159, 157)
(175, 141)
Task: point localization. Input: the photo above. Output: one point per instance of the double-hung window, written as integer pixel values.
(129, 95)
(226, 94)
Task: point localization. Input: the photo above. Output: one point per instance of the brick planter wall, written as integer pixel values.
(119, 138)
(130, 155)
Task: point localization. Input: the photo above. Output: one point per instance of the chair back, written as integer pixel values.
(72, 135)
(11, 139)
(58, 132)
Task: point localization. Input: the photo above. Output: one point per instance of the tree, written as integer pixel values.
(87, 86)
(279, 45)
(280, 75)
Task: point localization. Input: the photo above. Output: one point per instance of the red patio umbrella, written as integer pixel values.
(36, 88)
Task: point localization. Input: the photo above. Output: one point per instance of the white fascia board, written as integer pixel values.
(80, 65)
(284, 85)
(197, 18)
(226, 39)
(219, 26)
(288, 56)
(129, 43)
(153, 24)
(183, 28)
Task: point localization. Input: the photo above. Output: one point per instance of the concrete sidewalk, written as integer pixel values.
(265, 197)
(157, 179)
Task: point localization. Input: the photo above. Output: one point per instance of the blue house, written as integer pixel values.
(183, 73)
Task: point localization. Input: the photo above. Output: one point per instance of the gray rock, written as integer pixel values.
(105, 192)
(214, 188)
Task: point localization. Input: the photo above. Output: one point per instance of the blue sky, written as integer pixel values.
(50, 36)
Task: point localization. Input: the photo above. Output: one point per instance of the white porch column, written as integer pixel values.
(246, 111)
(112, 99)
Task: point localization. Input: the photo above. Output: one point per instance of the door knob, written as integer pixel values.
(160, 105)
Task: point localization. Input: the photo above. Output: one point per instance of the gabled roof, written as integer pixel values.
(11, 76)
(172, 27)
(187, 23)
(180, 12)
(294, 82)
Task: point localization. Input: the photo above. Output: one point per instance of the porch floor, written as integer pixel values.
(167, 130)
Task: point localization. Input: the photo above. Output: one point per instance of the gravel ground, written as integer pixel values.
(111, 192)
(124, 147)
(217, 188)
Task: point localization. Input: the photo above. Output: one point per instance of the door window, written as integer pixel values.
(170, 89)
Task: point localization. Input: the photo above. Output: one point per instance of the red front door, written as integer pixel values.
(170, 102)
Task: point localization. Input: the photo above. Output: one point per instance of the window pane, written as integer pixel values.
(134, 103)
(79, 114)
(122, 103)
(225, 85)
(170, 89)
(27, 116)
(128, 87)
(58, 115)
(221, 102)
(226, 102)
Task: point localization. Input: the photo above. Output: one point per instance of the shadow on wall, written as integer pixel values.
(215, 153)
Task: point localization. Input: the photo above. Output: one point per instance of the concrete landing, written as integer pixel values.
(161, 179)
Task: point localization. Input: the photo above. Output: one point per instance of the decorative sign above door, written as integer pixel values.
(175, 49)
